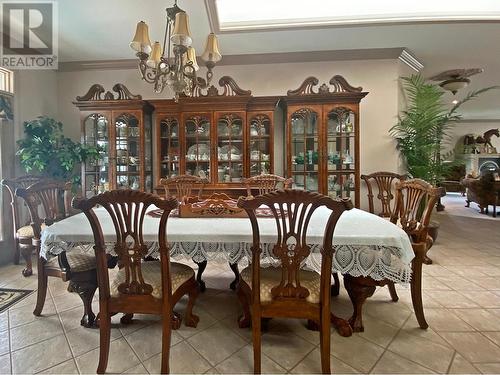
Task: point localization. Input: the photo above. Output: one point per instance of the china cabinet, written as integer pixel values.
(119, 124)
(221, 136)
(322, 130)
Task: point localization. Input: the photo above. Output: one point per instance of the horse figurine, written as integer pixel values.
(469, 139)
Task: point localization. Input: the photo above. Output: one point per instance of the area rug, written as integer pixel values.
(9, 297)
(455, 205)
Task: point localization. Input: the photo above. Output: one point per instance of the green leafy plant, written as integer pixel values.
(46, 151)
(423, 129)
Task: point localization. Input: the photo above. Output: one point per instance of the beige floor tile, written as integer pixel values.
(312, 365)
(488, 283)
(431, 283)
(426, 353)
(41, 356)
(391, 363)
(445, 320)
(493, 336)
(411, 327)
(438, 270)
(484, 299)
(453, 299)
(67, 301)
(146, 342)
(71, 318)
(121, 358)
(388, 311)
(220, 305)
(139, 369)
(366, 352)
(459, 283)
(4, 342)
(183, 360)
(5, 364)
(139, 321)
(480, 319)
(297, 326)
(489, 368)
(4, 321)
(461, 366)
(285, 348)
(489, 270)
(82, 340)
(241, 362)
(31, 333)
(465, 271)
(29, 300)
(206, 320)
(24, 314)
(68, 367)
(473, 346)
(216, 343)
(377, 331)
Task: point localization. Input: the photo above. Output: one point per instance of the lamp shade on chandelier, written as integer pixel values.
(174, 64)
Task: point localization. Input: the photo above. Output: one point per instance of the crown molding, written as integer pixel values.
(265, 58)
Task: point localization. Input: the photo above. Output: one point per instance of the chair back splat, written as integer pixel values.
(385, 183)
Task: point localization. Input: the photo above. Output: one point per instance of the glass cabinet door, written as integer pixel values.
(229, 148)
(340, 141)
(304, 143)
(260, 144)
(169, 147)
(128, 152)
(96, 174)
(197, 135)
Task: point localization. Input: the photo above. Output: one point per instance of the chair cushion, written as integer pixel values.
(271, 277)
(27, 231)
(151, 272)
(80, 261)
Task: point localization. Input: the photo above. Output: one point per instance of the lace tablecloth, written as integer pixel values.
(365, 244)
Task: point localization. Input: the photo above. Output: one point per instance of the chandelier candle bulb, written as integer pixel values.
(155, 57)
(141, 42)
(181, 34)
(211, 53)
(191, 57)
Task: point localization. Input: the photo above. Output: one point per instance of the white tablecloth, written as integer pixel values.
(365, 244)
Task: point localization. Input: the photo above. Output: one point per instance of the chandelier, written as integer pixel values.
(174, 64)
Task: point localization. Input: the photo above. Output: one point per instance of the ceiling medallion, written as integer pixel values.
(174, 64)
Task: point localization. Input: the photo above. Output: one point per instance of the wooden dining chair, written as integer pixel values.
(22, 230)
(182, 186)
(48, 201)
(385, 185)
(266, 183)
(139, 287)
(288, 291)
(415, 200)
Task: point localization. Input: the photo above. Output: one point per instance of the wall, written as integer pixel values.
(378, 109)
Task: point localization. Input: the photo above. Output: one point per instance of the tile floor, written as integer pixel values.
(462, 302)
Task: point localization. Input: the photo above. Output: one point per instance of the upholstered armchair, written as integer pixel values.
(484, 191)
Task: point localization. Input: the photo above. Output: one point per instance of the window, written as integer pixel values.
(6, 80)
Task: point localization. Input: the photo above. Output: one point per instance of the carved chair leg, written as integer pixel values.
(42, 287)
(256, 338)
(127, 319)
(17, 252)
(416, 290)
(234, 268)
(86, 291)
(27, 252)
(192, 320)
(324, 339)
(358, 293)
(335, 288)
(104, 340)
(201, 268)
(166, 339)
(392, 291)
(245, 319)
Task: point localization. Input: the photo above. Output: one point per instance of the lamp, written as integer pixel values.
(174, 64)
(455, 84)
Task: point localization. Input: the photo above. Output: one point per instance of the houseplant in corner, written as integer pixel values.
(46, 151)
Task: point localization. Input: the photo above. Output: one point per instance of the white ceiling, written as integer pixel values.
(102, 30)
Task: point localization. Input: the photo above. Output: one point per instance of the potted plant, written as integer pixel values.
(46, 151)
(423, 130)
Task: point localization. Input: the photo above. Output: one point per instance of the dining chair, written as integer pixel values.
(266, 183)
(288, 291)
(48, 201)
(182, 186)
(146, 287)
(415, 200)
(22, 233)
(385, 185)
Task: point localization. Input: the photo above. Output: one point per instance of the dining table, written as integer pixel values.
(366, 245)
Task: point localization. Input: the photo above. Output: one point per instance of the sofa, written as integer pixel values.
(484, 191)
(452, 179)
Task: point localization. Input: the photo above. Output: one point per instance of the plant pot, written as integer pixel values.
(433, 230)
